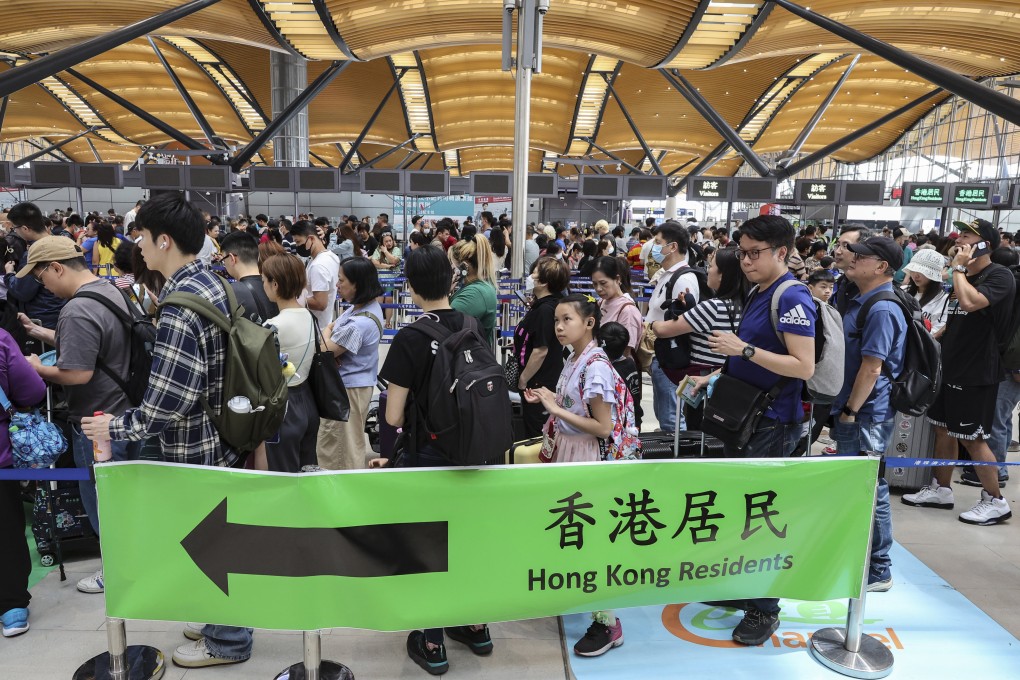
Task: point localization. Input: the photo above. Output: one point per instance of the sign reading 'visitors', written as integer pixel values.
(708, 189)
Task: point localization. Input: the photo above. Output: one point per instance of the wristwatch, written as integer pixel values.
(747, 353)
(848, 412)
(960, 268)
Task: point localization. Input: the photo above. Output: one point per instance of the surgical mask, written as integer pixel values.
(303, 251)
(529, 284)
(657, 254)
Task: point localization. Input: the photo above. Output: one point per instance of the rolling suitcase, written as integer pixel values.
(685, 444)
(524, 452)
(912, 437)
(387, 433)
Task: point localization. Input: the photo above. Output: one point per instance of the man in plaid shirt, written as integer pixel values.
(188, 366)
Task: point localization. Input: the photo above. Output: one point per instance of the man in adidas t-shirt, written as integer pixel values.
(757, 357)
(670, 250)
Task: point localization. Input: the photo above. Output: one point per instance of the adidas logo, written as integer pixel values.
(796, 317)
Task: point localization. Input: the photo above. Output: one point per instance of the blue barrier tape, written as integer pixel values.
(46, 474)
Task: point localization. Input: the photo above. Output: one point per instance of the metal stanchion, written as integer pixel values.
(137, 662)
(849, 651)
(313, 667)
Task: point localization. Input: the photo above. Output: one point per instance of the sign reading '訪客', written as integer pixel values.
(401, 549)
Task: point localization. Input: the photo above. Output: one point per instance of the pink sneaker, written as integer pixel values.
(599, 639)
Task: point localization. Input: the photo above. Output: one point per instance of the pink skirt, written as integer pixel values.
(575, 448)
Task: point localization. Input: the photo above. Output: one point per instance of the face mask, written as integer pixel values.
(657, 254)
(529, 284)
(303, 251)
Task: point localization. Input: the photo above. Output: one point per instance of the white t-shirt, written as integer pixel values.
(323, 272)
(129, 217)
(686, 281)
(208, 250)
(294, 329)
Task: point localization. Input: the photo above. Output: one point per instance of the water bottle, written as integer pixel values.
(102, 449)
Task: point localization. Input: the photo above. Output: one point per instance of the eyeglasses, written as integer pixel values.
(38, 275)
(858, 256)
(751, 254)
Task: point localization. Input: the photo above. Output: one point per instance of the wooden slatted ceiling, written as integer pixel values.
(35, 26)
(975, 37)
(340, 112)
(495, 158)
(79, 151)
(473, 100)
(31, 112)
(640, 31)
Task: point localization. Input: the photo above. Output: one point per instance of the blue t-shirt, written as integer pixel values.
(885, 323)
(797, 315)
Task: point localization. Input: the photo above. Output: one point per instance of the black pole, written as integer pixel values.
(285, 116)
(633, 126)
(3, 112)
(166, 129)
(181, 90)
(386, 154)
(52, 64)
(1000, 104)
(819, 112)
(53, 147)
(701, 105)
(943, 221)
(678, 169)
(794, 168)
(636, 171)
(368, 126)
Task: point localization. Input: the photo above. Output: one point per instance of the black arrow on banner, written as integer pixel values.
(219, 547)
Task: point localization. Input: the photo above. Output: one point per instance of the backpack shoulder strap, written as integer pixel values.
(777, 296)
(862, 313)
(204, 308)
(122, 315)
(373, 317)
(432, 328)
(258, 302)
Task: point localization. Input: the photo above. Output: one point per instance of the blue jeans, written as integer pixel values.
(83, 458)
(855, 438)
(228, 642)
(664, 400)
(1006, 400)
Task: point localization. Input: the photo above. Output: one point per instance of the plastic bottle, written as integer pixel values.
(102, 449)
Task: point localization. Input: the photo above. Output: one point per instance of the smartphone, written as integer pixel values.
(979, 250)
(521, 296)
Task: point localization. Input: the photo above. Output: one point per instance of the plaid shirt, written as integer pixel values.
(188, 363)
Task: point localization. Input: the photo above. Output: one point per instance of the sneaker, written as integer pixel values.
(433, 661)
(931, 496)
(880, 586)
(829, 450)
(969, 478)
(478, 641)
(1014, 446)
(987, 511)
(92, 584)
(599, 639)
(15, 622)
(197, 655)
(756, 627)
(193, 631)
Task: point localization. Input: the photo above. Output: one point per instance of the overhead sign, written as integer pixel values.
(754, 189)
(709, 189)
(925, 194)
(971, 196)
(810, 191)
(853, 192)
(397, 549)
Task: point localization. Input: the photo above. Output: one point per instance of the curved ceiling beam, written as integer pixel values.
(260, 12)
(759, 19)
(685, 37)
(333, 30)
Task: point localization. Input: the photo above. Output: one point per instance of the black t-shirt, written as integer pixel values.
(538, 329)
(370, 244)
(253, 299)
(970, 354)
(412, 353)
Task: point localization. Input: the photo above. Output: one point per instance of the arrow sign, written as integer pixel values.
(219, 548)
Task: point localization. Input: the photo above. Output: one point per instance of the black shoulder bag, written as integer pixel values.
(328, 388)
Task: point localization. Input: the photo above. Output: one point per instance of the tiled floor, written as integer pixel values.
(68, 627)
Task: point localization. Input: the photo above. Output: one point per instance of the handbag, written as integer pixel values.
(733, 410)
(35, 442)
(328, 388)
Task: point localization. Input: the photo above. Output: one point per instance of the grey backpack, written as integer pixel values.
(830, 347)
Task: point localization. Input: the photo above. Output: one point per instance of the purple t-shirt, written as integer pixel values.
(21, 384)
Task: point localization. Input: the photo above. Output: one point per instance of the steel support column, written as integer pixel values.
(288, 78)
(53, 147)
(299, 104)
(52, 64)
(633, 126)
(701, 105)
(3, 112)
(991, 100)
(371, 121)
(196, 113)
(633, 169)
(817, 117)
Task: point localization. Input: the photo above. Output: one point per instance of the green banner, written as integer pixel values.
(402, 549)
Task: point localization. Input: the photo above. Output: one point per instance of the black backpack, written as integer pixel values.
(142, 342)
(917, 385)
(467, 419)
(675, 353)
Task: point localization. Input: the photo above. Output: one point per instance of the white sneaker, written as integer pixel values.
(193, 631)
(92, 584)
(987, 511)
(196, 655)
(932, 496)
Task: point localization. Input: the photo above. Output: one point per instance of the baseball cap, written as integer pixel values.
(982, 228)
(882, 247)
(50, 249)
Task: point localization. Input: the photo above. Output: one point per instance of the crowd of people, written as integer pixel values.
(726, 304)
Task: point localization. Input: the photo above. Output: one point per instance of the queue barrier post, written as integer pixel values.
(121, 662)
(848, 651)
(313, 667)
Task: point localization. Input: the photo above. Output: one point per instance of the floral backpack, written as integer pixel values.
(623, 443)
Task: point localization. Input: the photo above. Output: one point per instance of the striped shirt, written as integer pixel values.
(705, 317)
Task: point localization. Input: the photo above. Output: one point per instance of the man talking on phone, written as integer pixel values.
(964, 410)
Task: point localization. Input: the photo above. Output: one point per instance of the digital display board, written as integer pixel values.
(543, 185)
(648, 187)
(318, 180)
(925, 194)
(810, 191)
(163, 177)
(382, 182)
(209, 178)
(491, 183)
(754, 189)
(709, 188)
(6, 174)
(428, 183)
(52, 174)
(101, 175)
(270, 179)
(971, 196)
(605, 187)
(862, 193)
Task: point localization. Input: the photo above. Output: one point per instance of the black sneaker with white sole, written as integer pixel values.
(756, 627)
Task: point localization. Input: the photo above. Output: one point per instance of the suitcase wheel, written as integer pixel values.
(47, 560)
